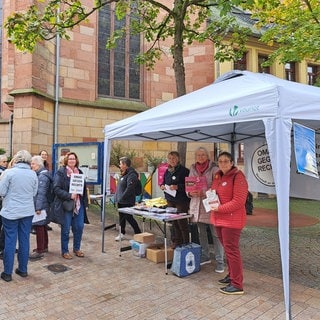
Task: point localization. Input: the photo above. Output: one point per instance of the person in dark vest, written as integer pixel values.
(174, 180)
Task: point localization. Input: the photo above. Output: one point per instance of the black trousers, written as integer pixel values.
(124, 217)
(180, 228)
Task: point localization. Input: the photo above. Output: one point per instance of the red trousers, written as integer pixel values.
(42, 238)
(230, 239)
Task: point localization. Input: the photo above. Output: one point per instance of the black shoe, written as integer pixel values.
(231, 290)
(6, 277)
(225, 280)
(48, 228)
(21, 274)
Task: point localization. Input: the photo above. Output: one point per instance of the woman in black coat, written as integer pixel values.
(73, 217)
(174, 181)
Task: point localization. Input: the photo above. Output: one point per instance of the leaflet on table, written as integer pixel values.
(164, 216)
(196, 184)
(169, 191)
(211, 200)
(39, 217)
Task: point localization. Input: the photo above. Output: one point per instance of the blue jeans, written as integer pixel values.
(13, 230)
(203, 238)
(76, 223)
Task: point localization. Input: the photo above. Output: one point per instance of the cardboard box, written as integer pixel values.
(144, 237)
(156, 254)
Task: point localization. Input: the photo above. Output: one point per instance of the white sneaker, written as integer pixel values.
(119, 237)
(204, 261)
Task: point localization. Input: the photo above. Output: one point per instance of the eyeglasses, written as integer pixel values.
(225, 161)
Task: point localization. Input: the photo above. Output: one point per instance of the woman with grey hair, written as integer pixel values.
(41, 204)
(204, 167)
(18, 186)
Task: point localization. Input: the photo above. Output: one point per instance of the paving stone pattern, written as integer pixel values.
(109, 286)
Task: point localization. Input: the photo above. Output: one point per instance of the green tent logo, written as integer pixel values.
(234, 111)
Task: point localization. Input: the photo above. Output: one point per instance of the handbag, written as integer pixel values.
(186, 259)
(68, 205)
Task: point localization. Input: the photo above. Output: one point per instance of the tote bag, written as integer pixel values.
(186, 260)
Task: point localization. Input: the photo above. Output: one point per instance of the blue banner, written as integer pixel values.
(305, 150)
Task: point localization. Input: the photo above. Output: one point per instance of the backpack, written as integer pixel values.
(138, 188)
(249, 203)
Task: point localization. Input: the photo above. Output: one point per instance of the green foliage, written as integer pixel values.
(304, 206)
(153, 161)
(44, 21)
(119, 151)
(229, 38)
(317, 83)
(184, 22)
(2, 151)
(293, 28)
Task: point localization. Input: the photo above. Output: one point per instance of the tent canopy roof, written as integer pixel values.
(240, 105)
(235, 105)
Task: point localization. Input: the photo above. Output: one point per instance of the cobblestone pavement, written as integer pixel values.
(261, 253)
(109, 286)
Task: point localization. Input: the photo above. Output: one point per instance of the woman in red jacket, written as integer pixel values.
(229, 218)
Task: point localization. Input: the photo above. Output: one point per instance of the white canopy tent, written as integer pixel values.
(240, 106)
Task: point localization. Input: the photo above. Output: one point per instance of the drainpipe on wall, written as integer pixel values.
(56, 99)
(11, 135)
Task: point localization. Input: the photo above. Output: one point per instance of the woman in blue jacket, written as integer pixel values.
(18, 186)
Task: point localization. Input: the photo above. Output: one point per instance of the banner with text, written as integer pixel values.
(258, 170)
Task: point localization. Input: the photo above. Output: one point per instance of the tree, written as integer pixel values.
(118, 151)
(184, 22)
(293, 28)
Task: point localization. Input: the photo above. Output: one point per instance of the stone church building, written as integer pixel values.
(67, 91)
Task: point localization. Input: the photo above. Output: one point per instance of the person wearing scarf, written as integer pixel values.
(206, 168)
(73, 219)
(174, 178)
